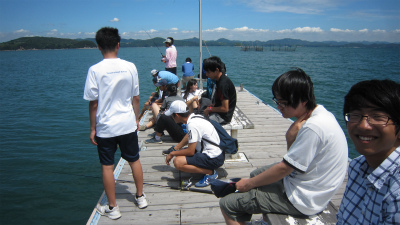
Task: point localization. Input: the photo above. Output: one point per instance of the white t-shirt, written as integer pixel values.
(199, 128)
(192, 94)
(113, 82)
(320, 156)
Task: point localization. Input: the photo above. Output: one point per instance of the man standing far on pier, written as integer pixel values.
(309, 174)
(170, 56)
(112, 87)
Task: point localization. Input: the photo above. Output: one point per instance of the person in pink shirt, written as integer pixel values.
(170, 56)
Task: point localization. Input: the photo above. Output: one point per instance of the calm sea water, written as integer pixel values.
(50, 172)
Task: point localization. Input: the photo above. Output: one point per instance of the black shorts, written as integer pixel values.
(127, 143)
(202, 160)
(172, 70)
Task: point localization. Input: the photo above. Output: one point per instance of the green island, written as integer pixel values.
(37, 43)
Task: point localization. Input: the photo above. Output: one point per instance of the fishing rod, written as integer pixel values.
(186, 186)
(154, 43)
(207, 47)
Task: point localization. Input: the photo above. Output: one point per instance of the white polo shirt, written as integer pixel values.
(320, 156)
(199, 128)
(113, 82)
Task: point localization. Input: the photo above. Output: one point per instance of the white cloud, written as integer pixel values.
(340, 30)
(396, 31)
(188, 32)
(298, 7)
(363, 30)
(247, 29)
(114, 20)
(284, 31)
(308, 30)
(174, 29)
(302, 30)
(218, 29)
(21, 31)
(379, 31)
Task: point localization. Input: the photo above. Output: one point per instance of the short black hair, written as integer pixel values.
(188, 59)
(185, 115)
(107, 38)
(172, 90)
(295, 86)
(212, 63)
(385, 94)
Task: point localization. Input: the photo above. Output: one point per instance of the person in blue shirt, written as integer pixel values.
(166, 75)
(372, 195)
(187, 69)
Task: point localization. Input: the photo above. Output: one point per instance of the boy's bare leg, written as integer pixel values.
(137, 173)
(109, 184)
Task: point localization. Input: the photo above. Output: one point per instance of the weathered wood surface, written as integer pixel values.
(326, 217)
(239, 121)
(263, 145)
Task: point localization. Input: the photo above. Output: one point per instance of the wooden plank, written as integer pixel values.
(326, 217)
(263, 145)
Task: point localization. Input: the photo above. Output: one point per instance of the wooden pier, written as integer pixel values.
(263, 145)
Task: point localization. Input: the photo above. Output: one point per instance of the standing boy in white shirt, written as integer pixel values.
(112, 87)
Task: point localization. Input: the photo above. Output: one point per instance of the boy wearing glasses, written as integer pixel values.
(313, 169)
(372, 114)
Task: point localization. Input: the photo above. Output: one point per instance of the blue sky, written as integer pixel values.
(312, 20)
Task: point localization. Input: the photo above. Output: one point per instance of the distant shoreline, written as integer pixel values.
(35, 43)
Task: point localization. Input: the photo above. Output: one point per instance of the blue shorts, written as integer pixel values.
(127, 143)
(202, 160)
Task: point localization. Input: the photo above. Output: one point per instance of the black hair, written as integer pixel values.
(212, 63)
(295, 86)
(172, 90)
(188, 59)
(186, 114)
(107, 38)
(190, 83)
(384, 94)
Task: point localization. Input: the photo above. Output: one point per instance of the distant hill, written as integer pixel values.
(63, 43)
(281, 42)
(27, 43)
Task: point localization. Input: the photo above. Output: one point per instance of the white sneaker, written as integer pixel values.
(141, 201)
(104, 210)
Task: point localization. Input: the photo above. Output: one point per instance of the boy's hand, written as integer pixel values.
(93, 137)
(243, 185)
(295, 127)
(168, 159)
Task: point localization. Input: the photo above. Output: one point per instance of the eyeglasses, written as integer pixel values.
(281, 104)
(372, 119)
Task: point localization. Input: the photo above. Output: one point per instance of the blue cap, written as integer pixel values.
(161, 82)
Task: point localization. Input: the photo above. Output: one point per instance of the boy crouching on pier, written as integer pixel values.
(200, 156)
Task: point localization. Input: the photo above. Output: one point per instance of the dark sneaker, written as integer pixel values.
(153, 140)
(166, 152)
(205, 181)
(154, 134)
